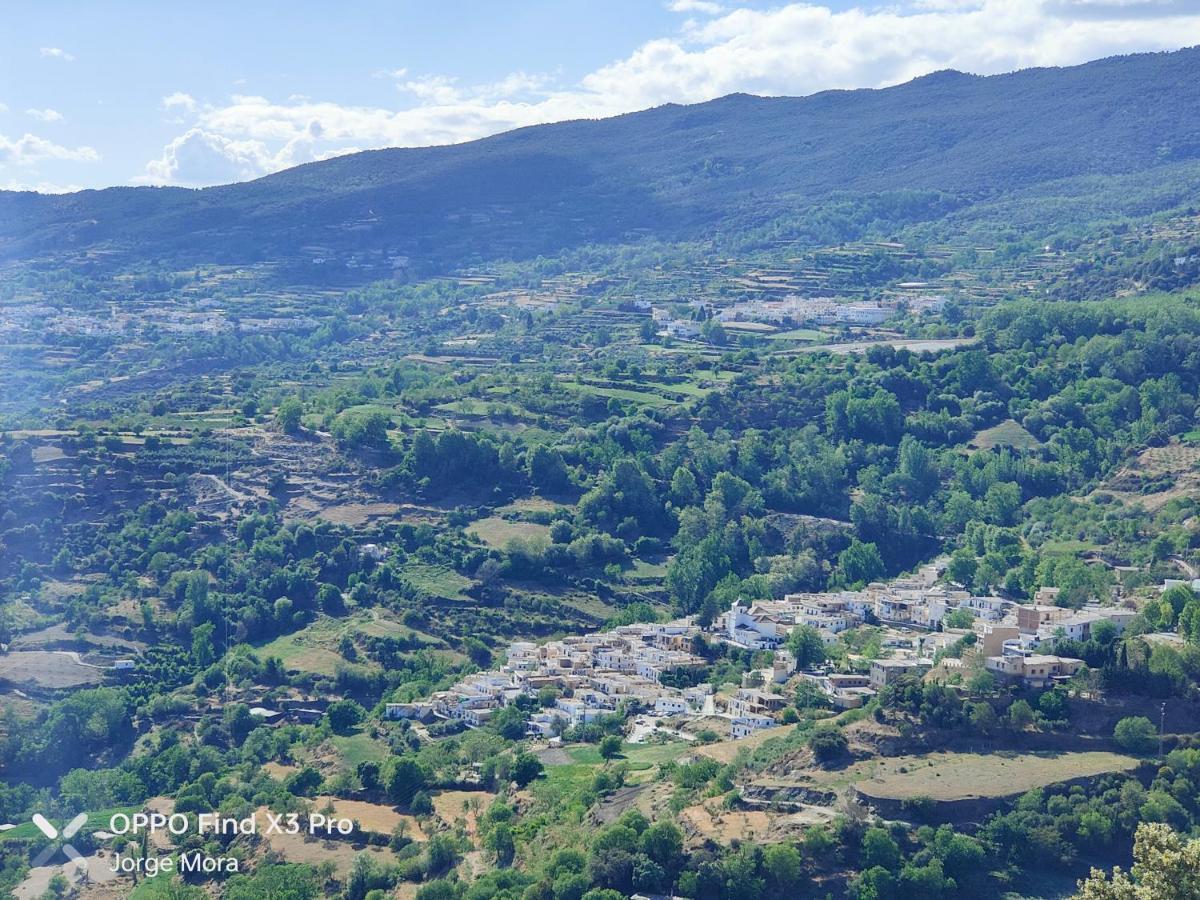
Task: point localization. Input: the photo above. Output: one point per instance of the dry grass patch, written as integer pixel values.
(450, 806)
(962, 776)
(375, 817)
(530, 505)
(1006, 434)
(51, 669)
(497, 532)
(725, 751)
(1157, 476)
(300, 848)
(724, 826)
(355, 514)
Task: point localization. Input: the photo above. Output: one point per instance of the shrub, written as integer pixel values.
(1136, 734)
(828, 745)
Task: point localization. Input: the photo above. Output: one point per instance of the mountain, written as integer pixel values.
(965, 142)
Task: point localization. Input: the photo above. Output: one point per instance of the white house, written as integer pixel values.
(670, 706)
(743, 726)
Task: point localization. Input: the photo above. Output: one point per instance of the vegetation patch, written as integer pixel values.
(497, 532)
(962, 776)
(1007, 434)
(440, 581)
(377, 817)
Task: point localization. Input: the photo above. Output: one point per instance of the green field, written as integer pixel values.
(308, 650)
(642, 398)
(438, 580)
(799, 334)
(314, 648)
(359, 748)
(97, 821)
(565, 780)
(643, 572)
(497, 532)
(1006, 434)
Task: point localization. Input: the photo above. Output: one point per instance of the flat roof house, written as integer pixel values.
(1035, 670)
(886, 671)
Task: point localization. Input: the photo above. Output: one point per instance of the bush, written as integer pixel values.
(344, 715)
(1136, 734)
(828, 745)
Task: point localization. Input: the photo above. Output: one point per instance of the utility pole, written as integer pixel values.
(1162, 721)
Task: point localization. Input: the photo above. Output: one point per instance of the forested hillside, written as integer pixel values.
(943, 143)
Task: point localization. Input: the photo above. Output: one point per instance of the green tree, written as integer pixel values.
(962, 567)
(1020, 715)
(287, 416)
(662, 842)
(1136, 734)
(1165, 867)
(610, 746)
(203, 653)
(404, 778)
(828, 744)
(983, 718)
(958, 618)
(1002, 502)
(500, 841)
(1053, 705)
(547, 471)
(695, 571)
(684, 490)
(357, 429)
(239, 720)
(806, 645)
(526, 767)
(344, 715)
(441, 853)
(782, 865)
(509, 722)
(860, 563)
(879, 849)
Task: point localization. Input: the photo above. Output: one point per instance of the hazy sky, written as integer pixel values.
(198, 93)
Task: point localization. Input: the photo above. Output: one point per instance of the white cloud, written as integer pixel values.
(437, 89)
(199, 157)
(707, 7)
(41, 187)
(179, 100)
(3, 107)
(793, 49)
(29, 149)
(57, 53)
(45, 115)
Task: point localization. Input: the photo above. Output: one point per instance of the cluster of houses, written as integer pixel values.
(644, 667)
(1008, 636)
(792, 310)
(599, 674)
(807, 310)
(670, 326)
(592, 676)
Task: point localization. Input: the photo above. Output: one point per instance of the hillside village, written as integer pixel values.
(633, 670)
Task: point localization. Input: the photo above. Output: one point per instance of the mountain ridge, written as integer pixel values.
(672, 171)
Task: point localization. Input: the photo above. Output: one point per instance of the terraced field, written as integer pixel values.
(962, 776)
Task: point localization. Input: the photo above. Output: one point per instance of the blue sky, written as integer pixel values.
(94, 94)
